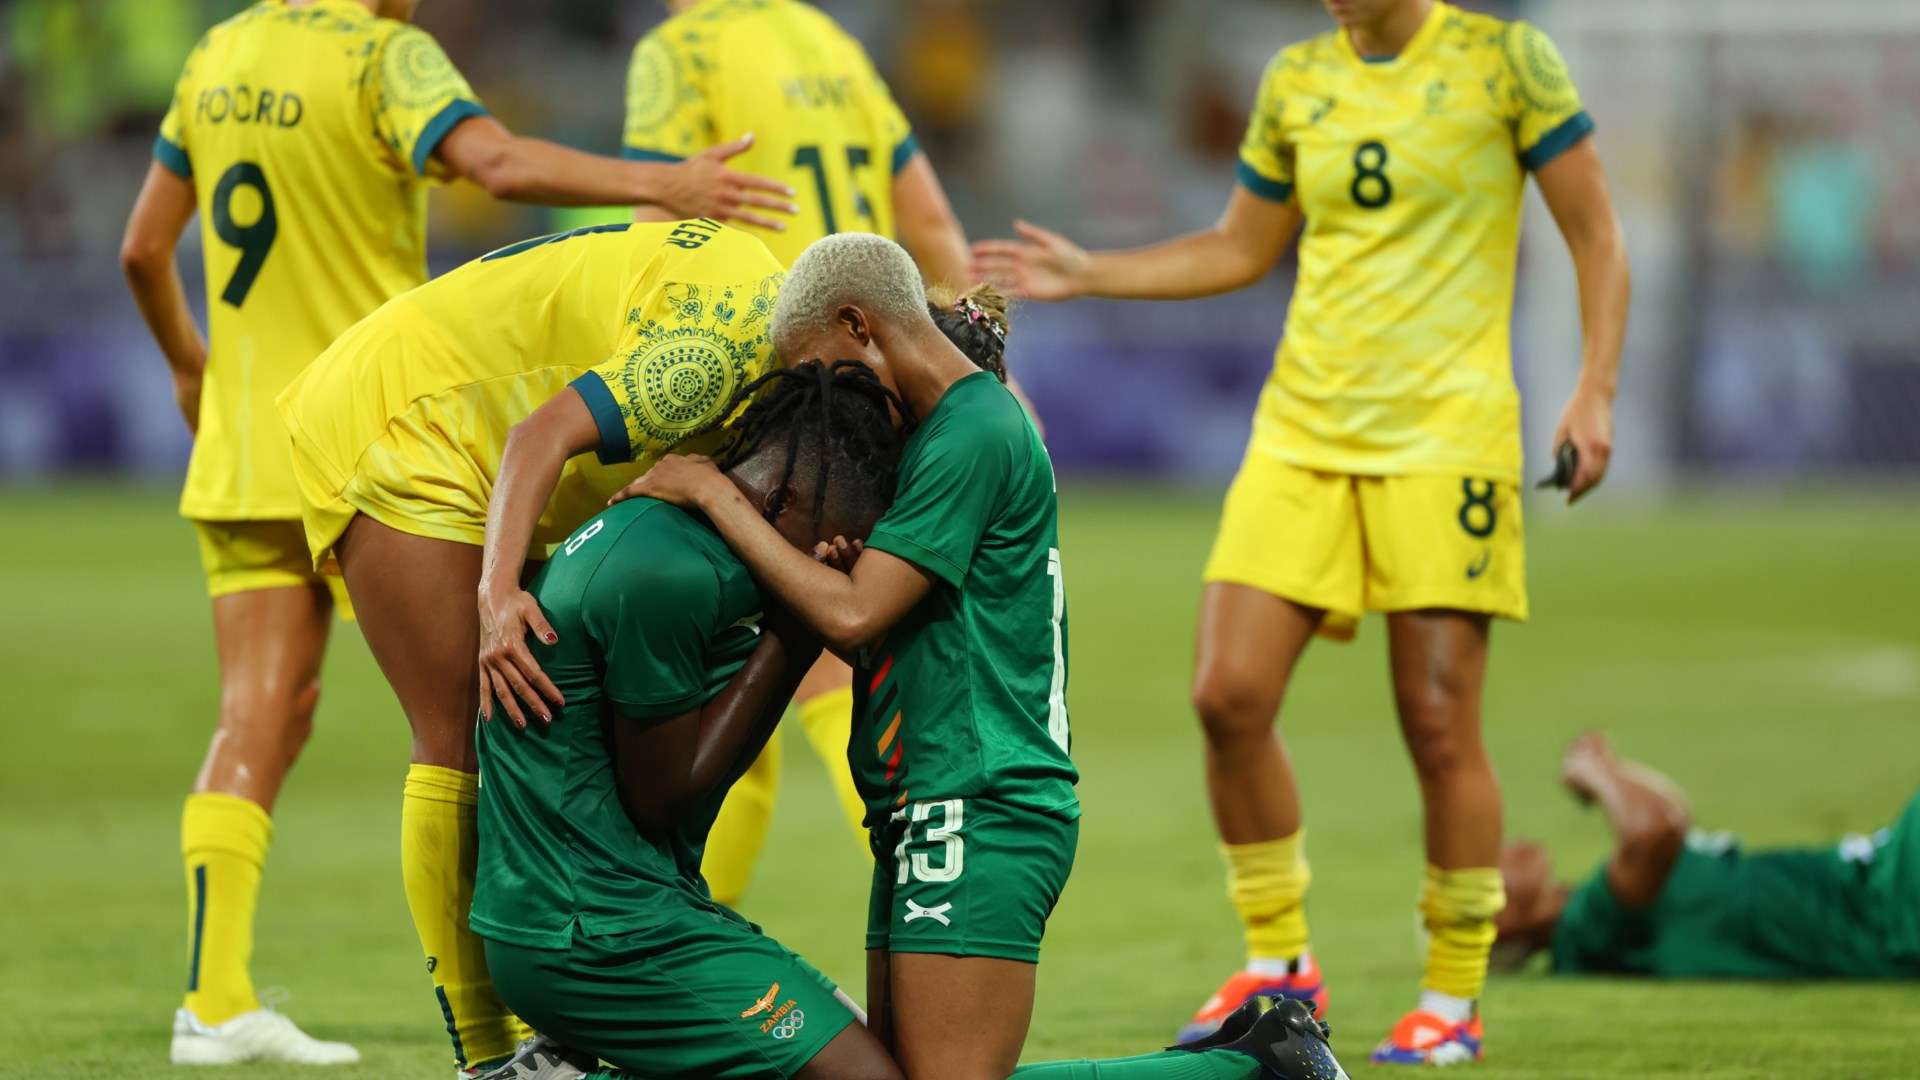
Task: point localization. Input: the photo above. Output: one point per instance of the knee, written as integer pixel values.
(1441, 728)
(264, 708)
(447, 744)
(1234, 706)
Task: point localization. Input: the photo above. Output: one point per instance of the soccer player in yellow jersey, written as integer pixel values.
(637, 335)
(1383, 473)
(824, 122)
(305, 133)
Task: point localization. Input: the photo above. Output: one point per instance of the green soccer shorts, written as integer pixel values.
(968, 877)
(702, 994)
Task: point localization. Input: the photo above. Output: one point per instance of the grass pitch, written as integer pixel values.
(1766, 654)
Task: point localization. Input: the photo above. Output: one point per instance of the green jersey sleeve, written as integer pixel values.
(417, 96)
(1547, 117)
(1595, 932)
(949, 492)
(653, 614)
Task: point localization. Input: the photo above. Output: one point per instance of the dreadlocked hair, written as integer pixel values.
(976, 322)
(839, 414)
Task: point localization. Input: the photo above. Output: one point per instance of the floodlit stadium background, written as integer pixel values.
(1740, 603)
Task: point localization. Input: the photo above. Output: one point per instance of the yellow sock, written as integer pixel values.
(740, 830)
(1267, 883)
(438, 845)
(828, 721)
(1458, 907)
(223, 839)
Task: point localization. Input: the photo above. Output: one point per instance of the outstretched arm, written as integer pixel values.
(522, 169)
(849, 611)
(1646, 811)
(1238, 250)
(663, 767)
(537, 449)
(146, 258)
(1575, 188)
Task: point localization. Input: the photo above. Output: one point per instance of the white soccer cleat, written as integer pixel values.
(260, 1035)
(537, 1058)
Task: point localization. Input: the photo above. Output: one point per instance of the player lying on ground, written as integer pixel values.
(1676, 902)
(1383, 470)
(955, 618)
(305, 134)
(398, 430)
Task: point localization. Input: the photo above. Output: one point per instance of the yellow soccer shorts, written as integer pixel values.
(1351, 544)
(242, 556)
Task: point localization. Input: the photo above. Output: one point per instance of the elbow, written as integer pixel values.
(499, 174)
(143, 260)
(1657, 842)
(848, 633)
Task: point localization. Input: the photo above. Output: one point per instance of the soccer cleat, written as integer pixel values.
(537, 1058)
(1421, 1038)
(260, 1035)
(1303, 984)
(1281, 1035)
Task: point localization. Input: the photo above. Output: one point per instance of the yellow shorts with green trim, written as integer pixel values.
(242, 556)
(1351, 544)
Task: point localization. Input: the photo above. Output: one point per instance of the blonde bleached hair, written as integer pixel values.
(859, 269)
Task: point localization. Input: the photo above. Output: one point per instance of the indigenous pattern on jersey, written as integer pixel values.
(654, 614)
(1409, 171)
(822, 118)
(1851, 910)
(966, 696)
(406, 416)
(308, 133)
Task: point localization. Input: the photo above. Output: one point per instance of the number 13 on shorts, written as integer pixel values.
(938, 822)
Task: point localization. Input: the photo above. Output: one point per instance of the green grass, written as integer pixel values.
(1767, 655)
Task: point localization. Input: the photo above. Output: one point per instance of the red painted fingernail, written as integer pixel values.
(551, 638)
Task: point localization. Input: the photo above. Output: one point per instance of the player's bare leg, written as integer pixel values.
(854, 1054)
(956, 1017)
(270, 644)
(1439, 661)
(1248, 643)
(414, 597)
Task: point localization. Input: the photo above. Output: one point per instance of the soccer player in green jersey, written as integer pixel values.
(1675, 902)
(955, 616)
(599, 929)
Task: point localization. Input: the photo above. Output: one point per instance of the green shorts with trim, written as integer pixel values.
(703, 994)
(968, 877)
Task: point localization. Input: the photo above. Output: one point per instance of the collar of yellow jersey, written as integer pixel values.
(1417, 44)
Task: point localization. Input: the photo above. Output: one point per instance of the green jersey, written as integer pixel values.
(1851, 910)
(654, 615)
(967, 696)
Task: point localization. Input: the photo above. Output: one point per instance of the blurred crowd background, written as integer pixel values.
(1765, 156)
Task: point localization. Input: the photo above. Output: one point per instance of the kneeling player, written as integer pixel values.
(1678, 903)
(957, 615)
(599, 928)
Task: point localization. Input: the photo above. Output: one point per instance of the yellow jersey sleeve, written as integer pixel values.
(894, 128)
(1546, 114)
(1266, 161)
(417, 96)
(668, 116)
(170, 146)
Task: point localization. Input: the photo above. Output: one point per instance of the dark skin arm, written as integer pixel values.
(663, 767)
(146, 258)
(1646, 811)
(848, 611)
(537, 449)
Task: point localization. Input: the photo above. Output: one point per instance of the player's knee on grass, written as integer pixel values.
(1235, 704)
(1438, 722)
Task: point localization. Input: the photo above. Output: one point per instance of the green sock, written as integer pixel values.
(1165, 1065)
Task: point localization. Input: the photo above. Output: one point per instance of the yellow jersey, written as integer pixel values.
(822, 118)
(1409, 170)
(307, 133)
(406, 416)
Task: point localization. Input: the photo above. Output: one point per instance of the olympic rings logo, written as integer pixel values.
(790, 1024)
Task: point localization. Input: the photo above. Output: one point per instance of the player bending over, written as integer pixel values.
(398, 431)
(305, 134)
(955, 617)
(1384, 467)
(1676, 902)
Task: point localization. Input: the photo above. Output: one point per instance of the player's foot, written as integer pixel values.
(1303, 984)
(1281, 1035)
(260, 1035)
(1422, 1038)
(537, 1058)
